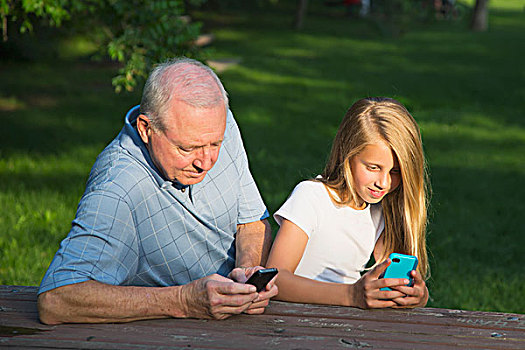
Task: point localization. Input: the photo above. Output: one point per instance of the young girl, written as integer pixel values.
(370, 198)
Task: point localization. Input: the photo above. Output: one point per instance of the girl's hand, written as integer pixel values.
(367, 294)
(416, 296)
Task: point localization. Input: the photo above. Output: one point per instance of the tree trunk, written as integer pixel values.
(4, 28)
(480, 16)
(300, 13)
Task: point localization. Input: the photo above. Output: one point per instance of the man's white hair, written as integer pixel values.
(183, 79)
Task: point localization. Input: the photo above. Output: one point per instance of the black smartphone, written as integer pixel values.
(260, 278)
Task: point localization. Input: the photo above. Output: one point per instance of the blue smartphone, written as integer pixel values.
(400, 267)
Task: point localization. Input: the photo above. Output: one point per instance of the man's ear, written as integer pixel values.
(144, 127)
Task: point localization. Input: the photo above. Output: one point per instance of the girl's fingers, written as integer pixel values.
(414, 297)
(390, 295)
(379, 269)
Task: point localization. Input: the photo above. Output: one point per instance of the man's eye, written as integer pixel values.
(186, 150)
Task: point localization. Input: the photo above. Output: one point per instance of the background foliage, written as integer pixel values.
(136, 33)
(289, 91)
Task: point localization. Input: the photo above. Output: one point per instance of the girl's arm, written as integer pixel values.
(286, 253)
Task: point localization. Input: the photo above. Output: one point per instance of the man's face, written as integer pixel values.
(189, 147)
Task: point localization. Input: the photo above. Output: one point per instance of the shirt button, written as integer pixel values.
(183, 190)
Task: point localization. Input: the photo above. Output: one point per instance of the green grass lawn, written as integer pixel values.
(289, 93)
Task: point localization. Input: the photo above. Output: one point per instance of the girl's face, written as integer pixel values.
(375, 171)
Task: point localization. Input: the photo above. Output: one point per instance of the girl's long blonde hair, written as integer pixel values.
(369, 121)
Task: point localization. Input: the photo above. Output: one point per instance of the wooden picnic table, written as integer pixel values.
(282, 326)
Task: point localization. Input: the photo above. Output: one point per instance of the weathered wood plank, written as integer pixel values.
(18, 292)
(215, 338)
(288, 328)
(284, 325)
(432, 316)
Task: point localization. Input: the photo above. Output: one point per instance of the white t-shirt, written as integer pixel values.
(340, 239)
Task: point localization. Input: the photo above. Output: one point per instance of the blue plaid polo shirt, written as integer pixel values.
(132, 227)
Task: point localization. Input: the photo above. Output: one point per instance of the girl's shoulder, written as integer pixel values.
(305, 206)
(308, 191)
(310, 187)
(310, 184)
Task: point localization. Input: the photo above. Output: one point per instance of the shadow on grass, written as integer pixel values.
(476, 240)
(436, 66)
(47, 109)
(67, 183)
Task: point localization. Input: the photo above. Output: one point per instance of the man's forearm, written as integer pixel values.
(95, 302)
(253, 242)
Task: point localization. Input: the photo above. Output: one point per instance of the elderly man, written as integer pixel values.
(171, 223)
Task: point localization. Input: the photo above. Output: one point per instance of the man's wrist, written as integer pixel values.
(173, 301)
(248, 259)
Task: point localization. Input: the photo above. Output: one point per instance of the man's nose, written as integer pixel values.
(204, 159)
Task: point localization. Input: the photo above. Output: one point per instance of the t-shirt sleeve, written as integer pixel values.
(251, 204)
(300, 207)
(101, 245)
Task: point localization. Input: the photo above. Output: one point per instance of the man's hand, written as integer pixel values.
(241, 275)
(217, 297)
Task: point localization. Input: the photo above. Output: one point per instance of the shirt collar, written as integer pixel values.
(131, 141)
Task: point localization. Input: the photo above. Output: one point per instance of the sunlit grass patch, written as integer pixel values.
(9, 104)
